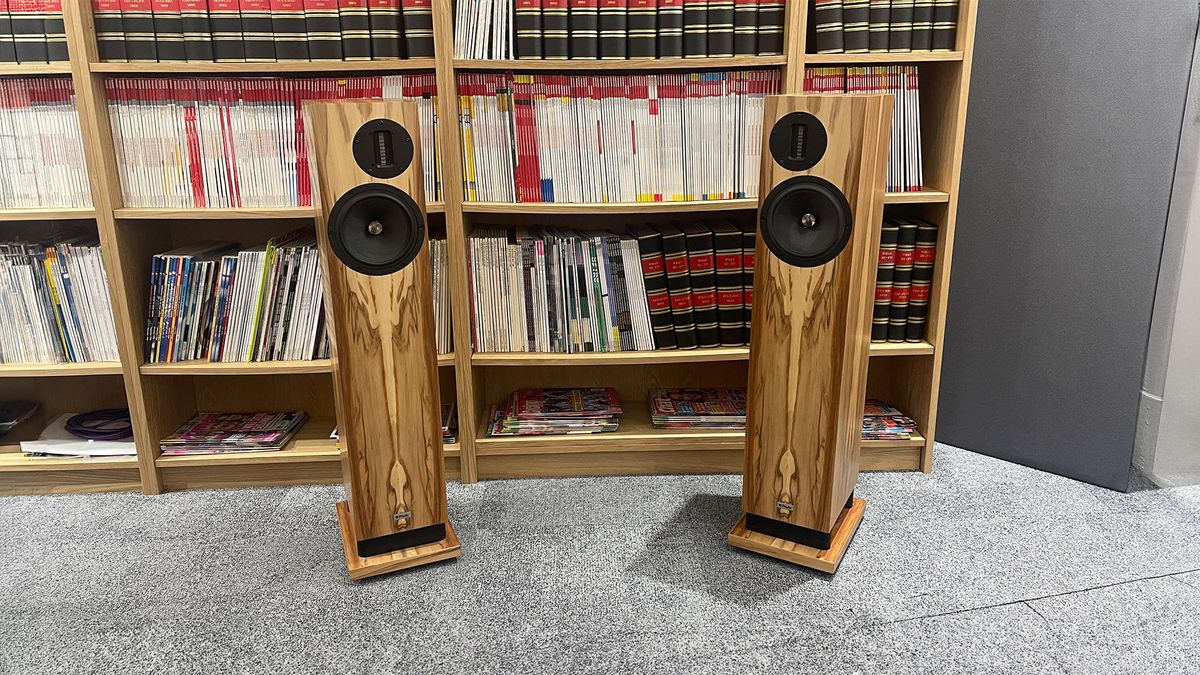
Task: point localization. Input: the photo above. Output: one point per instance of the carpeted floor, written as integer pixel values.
(981, 566)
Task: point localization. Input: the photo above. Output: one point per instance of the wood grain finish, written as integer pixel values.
(822, 560)
(810, 338)
(386, 388)
(272, 68)
(620, 65)
(361, 568)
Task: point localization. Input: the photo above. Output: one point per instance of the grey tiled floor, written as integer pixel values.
(982, 566)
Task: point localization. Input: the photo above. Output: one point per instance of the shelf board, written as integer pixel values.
(613, 207)
(916, 441)
(274, 213)
(58, 68)
(48, 214)
(901, 348)
(13, 460)
(621, 64)
(880, 57)
(610, 358)
(267, 68)
(59, 369)
(237, 368)
(923, 196)
(445, 360)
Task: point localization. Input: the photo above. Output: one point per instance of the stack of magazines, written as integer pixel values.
(215, 433)
(542, 412)
(449, 423)
(697, 408)
(882, 422)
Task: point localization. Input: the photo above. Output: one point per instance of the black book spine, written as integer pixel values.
(856, 26)
(828, 26)
(356, 30)
(585, 29)
(418, 27)
(654, 275)
(197, 36)
(884, 275)
(614, 29)
(56, 31)
(770, 27)
(555, 22)
(324, 30)
(29, 31)
(168, 30)
(383, 16)
(728, 243)
(225, 23)
(945, 25)
(922, 280)
(695, 28)
(922, 25)
(291, 31)
(880, 17)
(138, 21)
(257, 32)
(527, 21)
(702, 275)
(745, 27)
(643, 37)
(670, 29)
(8, 48)
(720, 28)
(748, 256)
(900, 34)
(902, 281)
(680, 287)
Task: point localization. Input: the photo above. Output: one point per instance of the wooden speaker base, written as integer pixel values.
(807, 556)
(361, 568)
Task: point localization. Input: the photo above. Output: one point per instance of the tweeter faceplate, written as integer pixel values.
(798, 141)
(806, 221)
(383, 148)
(376, 229)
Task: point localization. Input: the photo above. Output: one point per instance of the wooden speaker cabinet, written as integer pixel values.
(371, 230)
(823, 170)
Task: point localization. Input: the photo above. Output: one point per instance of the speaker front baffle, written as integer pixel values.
(823, 173)
(379, 303)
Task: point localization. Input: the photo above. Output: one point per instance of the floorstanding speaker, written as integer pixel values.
(371, 230)
(823, 170)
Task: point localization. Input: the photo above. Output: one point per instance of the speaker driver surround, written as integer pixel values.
(376, 229)
(806, 221)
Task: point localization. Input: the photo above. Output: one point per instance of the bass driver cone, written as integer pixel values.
(376, 229)
(806, 221)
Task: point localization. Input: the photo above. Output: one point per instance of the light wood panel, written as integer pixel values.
(258, 213)
(47, 214)
(619, 65)
(272, 68)
(822, 560)
(35, 69)
(59, 369)
(519, 359)
(884, 59)
(361, 568)
(810, 334)
(701, 206)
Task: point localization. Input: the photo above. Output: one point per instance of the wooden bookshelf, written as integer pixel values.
(161, 396)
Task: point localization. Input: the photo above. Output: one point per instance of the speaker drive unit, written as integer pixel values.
(379, 301)
(823, 172)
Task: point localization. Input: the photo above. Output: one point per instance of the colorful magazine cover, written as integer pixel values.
(565, 402)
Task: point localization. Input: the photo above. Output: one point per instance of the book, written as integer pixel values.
(216, 433)
(289, 30)
(42, 166)
(383, 17)
(922, 25)
(902, 279)
(417, 17)
(945, 25)
(745, 27)
(856, 25)
(900, 31)
(643, 31)
(356, 29)
(924, 256)
(719, 408)
(720, 28)
(28, 30)
(555, 29)
(258, 34)
(8, 47)
(323, 30)
(225, 22)
(168, 30)
(654, 275)
(679, 286)
(695, 28)
(884, 275)
(748, 258)
(827, 18)
(56, 32)
(613, 29)
(528, 24)
(702, 278)
(197, 33)
(880, 22)
(727, 240)
(770, 27)
(670, 29)
(584, 29)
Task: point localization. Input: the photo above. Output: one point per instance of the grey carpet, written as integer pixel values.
(982, 566)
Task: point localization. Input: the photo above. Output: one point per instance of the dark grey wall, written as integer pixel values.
(1071, 140)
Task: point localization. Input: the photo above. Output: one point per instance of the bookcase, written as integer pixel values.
(161, 396)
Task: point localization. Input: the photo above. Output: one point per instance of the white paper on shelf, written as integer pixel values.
(56, 440)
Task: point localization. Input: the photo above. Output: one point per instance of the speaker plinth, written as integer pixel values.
(806, 221)
(376, 229)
